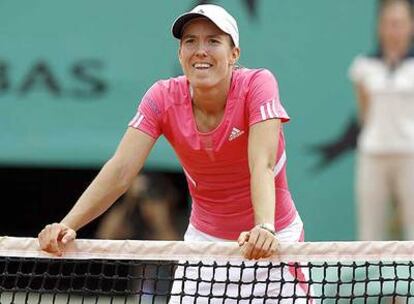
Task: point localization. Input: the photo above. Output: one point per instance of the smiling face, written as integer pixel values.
(207, 54)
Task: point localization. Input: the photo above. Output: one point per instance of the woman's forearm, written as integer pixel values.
(263, 145)
(363, 102)
(106, 188)
(263, 195)
(113, 180)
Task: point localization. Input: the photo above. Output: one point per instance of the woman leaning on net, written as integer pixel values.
(384, 83)
(225, 125)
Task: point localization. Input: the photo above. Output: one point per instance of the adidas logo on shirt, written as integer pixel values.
(235, 133)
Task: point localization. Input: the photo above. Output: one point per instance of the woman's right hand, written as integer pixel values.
(53, 237)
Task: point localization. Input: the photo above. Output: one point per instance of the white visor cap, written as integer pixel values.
(216, 14)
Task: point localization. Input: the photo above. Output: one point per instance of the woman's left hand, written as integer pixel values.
(258, 243)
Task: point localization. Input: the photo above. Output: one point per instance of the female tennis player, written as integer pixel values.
(225, 125)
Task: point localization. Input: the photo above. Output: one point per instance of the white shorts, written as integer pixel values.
(204, 285)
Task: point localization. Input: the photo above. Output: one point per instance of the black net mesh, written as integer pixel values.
(61, 280)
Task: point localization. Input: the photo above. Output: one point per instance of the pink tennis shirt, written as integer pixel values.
(216, 163)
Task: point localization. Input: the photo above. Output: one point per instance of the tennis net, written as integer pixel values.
(103, 271)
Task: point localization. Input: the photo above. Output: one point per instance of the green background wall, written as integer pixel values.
(72, 74)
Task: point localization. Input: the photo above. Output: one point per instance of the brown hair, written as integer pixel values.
(384, 4)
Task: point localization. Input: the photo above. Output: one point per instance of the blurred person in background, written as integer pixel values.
(145, 212)
(384, 86)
